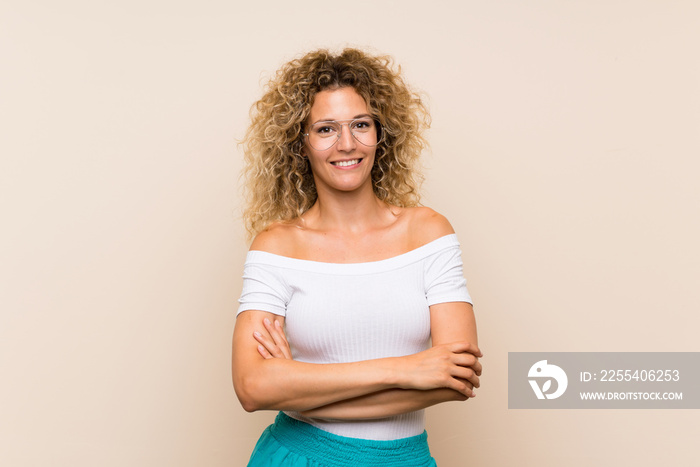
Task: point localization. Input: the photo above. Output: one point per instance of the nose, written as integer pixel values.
(346, 141)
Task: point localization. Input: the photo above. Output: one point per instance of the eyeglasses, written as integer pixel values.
(323, 135)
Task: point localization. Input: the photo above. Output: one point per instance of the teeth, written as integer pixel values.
(346, 163)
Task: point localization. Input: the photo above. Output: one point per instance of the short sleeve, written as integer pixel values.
(444, 277)
(264, 289)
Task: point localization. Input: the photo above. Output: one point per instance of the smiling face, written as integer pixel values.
(347, 165)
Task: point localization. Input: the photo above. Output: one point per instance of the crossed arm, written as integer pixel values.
(266, 377)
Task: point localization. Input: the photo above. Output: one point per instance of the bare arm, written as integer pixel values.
(450, 322)
(285, 384)
(384, 404)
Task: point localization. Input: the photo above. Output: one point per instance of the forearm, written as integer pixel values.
(384, 403)
(281, 384)
(276, 382)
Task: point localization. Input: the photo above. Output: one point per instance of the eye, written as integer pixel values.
(324, 129)
(363, 125)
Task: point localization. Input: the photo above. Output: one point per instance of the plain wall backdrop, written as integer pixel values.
(565, 152)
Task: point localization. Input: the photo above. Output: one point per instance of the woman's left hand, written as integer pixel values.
(275, 344)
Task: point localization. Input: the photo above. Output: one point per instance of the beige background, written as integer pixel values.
(565, 153)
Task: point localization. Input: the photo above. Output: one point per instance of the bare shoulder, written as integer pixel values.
(278, 238)
(427, 225)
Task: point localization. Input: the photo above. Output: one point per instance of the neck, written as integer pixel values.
(352, 212)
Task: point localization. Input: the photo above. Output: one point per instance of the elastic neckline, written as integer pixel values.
(417, 254)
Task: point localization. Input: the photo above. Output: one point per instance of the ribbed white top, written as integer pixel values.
(346, 312)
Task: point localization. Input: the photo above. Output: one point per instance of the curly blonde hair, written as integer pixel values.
(278, 180)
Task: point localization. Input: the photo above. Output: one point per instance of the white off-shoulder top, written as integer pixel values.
(347, 312)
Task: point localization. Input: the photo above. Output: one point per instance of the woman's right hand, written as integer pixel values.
(274, 344)
(455, 366)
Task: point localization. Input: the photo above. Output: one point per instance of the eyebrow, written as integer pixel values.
(333, 120)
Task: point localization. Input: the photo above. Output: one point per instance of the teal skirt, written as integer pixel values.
(291, 443)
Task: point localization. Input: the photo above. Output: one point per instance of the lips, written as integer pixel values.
(346, 163)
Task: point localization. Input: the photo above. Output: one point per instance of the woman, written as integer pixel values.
(347, 280)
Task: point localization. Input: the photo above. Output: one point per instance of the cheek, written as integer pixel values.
(315, 160)
(373, 155)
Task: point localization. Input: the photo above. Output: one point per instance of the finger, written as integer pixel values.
(472, 392)
(468, 374)
(286, 350)
(274, 331)
(458, 396)
(280, 340)
(268, 344)
(263, 351)
(469, 385)
(465, 347)
(477, 367)
(474, 350)
(469, 360)
(461, 387)
(270, 328)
